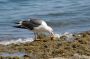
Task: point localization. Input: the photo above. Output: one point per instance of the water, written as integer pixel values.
(62, 15)
(19, 54)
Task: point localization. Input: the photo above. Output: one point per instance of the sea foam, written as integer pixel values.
(69, 37)
(16, 41)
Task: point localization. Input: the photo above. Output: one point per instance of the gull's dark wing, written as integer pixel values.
(35, 22)
(20, 27)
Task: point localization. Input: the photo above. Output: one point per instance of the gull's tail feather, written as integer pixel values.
(20, 27)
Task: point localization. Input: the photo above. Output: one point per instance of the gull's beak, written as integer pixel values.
(52, 34)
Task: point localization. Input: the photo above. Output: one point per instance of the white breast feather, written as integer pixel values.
(41, 28)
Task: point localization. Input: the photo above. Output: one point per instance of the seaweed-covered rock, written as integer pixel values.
(46, 47)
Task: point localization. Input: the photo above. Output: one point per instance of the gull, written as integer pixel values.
(36, 26)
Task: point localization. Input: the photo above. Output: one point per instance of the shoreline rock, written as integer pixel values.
(46, 48)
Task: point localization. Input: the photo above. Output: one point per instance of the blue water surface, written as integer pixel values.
(62, 15)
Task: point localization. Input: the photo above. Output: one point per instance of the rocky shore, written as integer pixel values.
(74, 46)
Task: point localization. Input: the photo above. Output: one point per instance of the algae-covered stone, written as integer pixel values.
(48, 48)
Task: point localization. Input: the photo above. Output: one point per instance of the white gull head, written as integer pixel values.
(49, 29)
